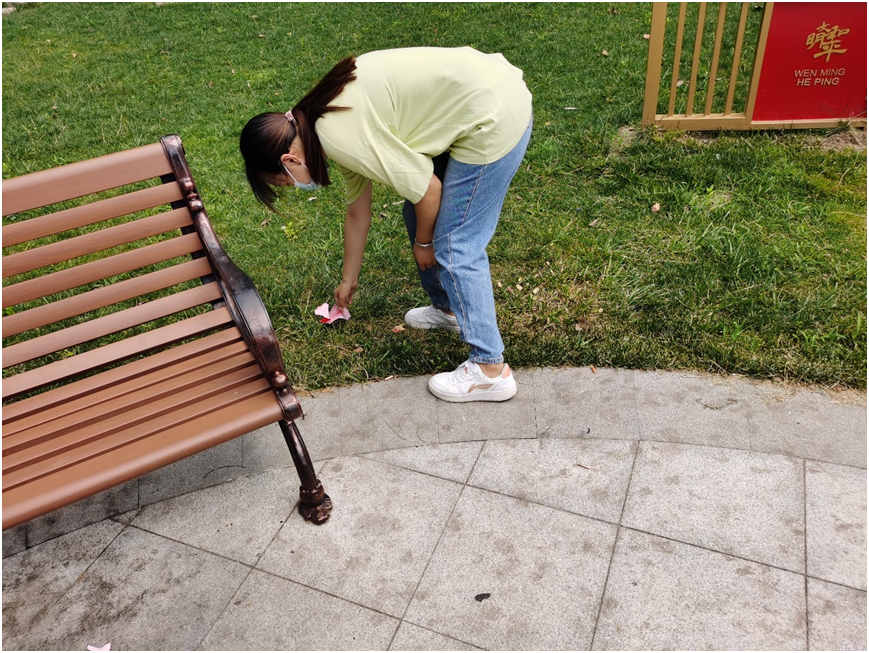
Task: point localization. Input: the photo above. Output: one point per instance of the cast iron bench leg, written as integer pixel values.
(314, 504)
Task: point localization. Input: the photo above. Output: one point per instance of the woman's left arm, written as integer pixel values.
(426, 216)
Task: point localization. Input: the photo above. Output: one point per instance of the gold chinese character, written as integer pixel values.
(826, 37)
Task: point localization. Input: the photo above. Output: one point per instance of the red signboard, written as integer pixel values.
(814, 66)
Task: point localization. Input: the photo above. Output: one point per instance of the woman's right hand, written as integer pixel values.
(344, 293)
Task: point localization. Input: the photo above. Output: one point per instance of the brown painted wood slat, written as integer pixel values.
(80, 216)
(132, 392)
(49, 284)
(115, 352)
(105, 296)
(117, 423)
(97, 241)
(119, 465)
(114, 323)
(83, 178)
(115, 382)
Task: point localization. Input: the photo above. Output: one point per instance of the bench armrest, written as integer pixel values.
(242, 299)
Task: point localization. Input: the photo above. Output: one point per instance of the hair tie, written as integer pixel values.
(291, 117)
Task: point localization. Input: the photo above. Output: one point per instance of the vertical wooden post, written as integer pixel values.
(758, 61)
(653, 68)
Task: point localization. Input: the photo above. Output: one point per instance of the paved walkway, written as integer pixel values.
(607, 510)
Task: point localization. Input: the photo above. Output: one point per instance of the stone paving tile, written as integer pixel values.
(208, 468)
(836, 518)
(453, 461)
(509, 574)
(265, 449)
(374, 548)
(321, 426)
(387, 415)
(579, 403)
(743, 503)
(143, 593)
(587, 477)
(691, 409)
(481, 420)
(837, 617)
(91, 510)
(664, 595)
(273, 614)
(414, 638)
(35, 580)
(806, 424)
(237, 519)
(14, 540)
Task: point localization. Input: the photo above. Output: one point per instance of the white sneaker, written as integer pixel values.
(468, 383)
(429, 317)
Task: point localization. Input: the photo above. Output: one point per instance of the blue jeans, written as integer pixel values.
(471, 202)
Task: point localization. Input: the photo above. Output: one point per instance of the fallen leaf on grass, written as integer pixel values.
(398, 328)
(605, 53)
(593, 222)
(358, 350)
(656, 207)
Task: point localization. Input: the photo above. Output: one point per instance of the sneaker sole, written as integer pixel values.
(485, 395)
(454, 329)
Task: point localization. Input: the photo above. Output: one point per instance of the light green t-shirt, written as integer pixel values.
(409, 105)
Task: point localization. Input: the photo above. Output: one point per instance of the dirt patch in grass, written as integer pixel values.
(854, 139)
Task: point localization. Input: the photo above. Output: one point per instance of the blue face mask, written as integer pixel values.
(311, 185)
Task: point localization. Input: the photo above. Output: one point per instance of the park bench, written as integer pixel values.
(130, 339)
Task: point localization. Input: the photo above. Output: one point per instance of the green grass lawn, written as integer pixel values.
(755, 264)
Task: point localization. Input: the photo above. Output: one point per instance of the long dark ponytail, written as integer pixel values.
(268, 136)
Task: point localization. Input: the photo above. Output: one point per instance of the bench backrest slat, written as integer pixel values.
(109, 324)
(114, 352)
(104, 297)
(56, 282)
(84, 178)
(81, 216)
(97, 241)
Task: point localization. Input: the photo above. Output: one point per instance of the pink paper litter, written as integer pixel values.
(328, 316)
(107, 647)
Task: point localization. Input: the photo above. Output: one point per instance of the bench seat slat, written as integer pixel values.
(80, 216)
(56, 282)
(116, 351)
(126, 394)
(97, 241)
(114, 323)
(171, 402)
(105, 296)
(119, 465)
(84, 178)
(196, 404)
(115, 382)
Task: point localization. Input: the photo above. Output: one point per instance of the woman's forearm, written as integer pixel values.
(427, 211)
(356, 225)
